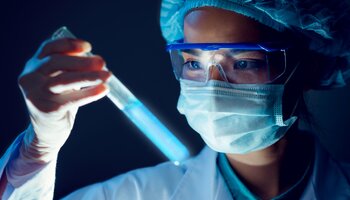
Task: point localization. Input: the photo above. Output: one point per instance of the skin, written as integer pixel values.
(59, 63)
(273, 170)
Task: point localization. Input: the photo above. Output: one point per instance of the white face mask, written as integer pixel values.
(234, 118)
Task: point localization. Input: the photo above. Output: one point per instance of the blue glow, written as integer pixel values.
(121, 96)
(159, 135)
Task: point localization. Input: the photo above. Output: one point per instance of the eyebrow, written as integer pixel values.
(238, 51)
(241, 51)
(198, 52)
(194, 52)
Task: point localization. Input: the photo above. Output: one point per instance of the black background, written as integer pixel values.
(126, 33)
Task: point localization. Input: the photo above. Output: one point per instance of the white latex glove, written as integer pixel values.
(54, 83)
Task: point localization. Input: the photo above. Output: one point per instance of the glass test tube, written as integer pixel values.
(138, 113)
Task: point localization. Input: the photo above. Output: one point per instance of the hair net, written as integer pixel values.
(325, 24)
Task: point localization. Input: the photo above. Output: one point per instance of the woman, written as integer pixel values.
(242, 67)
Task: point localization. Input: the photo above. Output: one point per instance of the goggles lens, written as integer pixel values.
(235, 65)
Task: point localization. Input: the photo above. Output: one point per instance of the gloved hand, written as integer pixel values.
(55, 82)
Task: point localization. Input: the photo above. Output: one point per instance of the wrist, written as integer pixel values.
(33, 150)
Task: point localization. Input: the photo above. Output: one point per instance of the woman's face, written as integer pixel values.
(214, 25)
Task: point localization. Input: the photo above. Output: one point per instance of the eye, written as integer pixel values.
(249, 64)
(193, 65)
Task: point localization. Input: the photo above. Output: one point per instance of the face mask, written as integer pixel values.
(234, 118)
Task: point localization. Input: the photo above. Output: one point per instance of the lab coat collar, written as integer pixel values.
(202, 179)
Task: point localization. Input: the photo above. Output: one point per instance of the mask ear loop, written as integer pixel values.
(288, 78)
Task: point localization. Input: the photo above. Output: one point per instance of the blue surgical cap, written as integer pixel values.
(324, 24)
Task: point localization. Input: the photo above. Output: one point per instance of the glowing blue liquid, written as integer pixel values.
(156, 131)
(139, 114)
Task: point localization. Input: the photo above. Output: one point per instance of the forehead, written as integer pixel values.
(209, 24)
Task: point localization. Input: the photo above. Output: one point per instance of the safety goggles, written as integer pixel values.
(242, 63)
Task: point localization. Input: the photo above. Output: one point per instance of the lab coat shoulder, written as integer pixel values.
(146, 183)
(164, 181)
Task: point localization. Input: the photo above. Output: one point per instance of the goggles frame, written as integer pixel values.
(266, 47)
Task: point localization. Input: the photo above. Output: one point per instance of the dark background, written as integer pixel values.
(126, 33)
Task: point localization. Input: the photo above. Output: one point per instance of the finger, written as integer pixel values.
(81, 97)
(63, 45)
(67, 81)
(59, 62)
(61, 103)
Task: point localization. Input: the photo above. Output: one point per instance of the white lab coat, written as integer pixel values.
(197, 178)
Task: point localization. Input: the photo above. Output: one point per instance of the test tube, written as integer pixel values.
(139, 114)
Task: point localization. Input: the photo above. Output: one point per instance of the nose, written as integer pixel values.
(216, 73)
